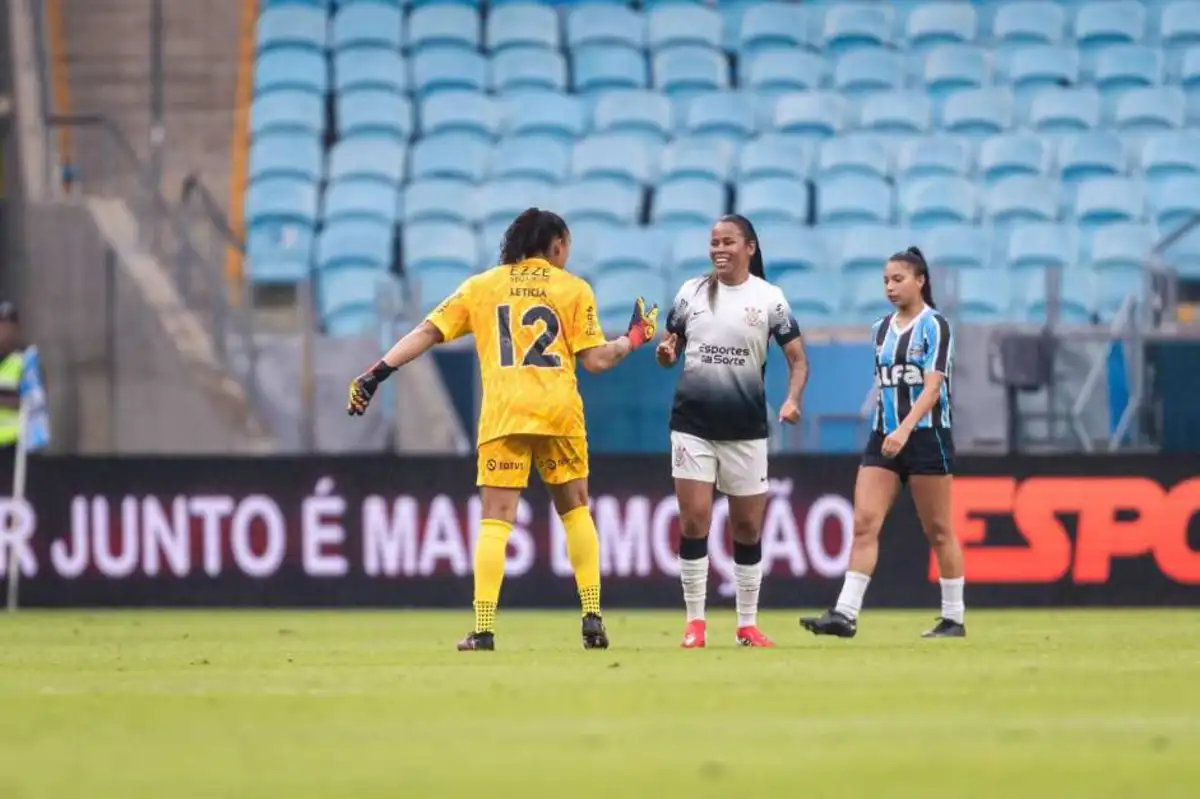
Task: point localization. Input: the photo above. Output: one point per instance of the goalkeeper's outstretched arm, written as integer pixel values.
(642, 327)
(419, 340)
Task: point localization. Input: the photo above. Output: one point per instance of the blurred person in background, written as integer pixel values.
(12, 366)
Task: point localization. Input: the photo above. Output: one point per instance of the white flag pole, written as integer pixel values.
(18, 494)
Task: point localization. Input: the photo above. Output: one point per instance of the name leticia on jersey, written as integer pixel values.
(723, 356)
(531, 293)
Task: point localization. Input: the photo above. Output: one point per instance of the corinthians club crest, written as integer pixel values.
(754, 316)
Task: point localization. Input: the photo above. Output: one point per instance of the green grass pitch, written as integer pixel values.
(225, 705)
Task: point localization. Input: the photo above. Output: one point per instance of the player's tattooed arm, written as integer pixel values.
(797, 360)
(606, 356)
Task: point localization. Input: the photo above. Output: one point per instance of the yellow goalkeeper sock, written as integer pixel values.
(583, 548)
(490, 552)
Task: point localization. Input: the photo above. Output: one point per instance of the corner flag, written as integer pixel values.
(36, 432)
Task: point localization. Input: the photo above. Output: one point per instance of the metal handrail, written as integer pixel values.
(194, 186)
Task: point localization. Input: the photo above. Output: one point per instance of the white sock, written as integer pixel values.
(694, 576)
(748, 577)
(850, 601)
(953, 607)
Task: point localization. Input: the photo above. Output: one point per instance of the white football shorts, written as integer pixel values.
(737, 468)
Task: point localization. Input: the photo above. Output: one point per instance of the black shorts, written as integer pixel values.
(928, 451)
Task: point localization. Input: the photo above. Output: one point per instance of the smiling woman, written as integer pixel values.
(722, 323)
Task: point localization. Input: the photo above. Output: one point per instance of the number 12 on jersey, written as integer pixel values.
(536, 355)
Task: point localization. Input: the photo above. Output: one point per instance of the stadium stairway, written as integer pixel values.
(107, 53)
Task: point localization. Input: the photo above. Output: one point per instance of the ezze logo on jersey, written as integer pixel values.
(906, 374)
(723, 356)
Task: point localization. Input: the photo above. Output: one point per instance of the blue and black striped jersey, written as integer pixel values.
(902, 357)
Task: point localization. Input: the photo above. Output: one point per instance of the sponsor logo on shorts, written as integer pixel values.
(680, 454)
(550, 464)
(494, 465)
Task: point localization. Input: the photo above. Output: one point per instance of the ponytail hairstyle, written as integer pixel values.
(531, 234)
(920, 268)
(756, 260)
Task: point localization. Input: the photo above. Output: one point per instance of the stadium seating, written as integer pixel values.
(1005, 136)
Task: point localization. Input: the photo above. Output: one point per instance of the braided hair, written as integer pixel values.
(531, 234)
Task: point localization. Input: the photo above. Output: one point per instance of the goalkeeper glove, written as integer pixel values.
(643, 324)
(363, 387)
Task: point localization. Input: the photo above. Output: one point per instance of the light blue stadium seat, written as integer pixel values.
(613, 156)
(670, 26)
(1152, 109)
(1127, 66)
(728, 116)
(1042, 245)
(779, 71)
(632, 250)
(281, 200)
(689, 255)
(1175, 200)
(687, 203)
(292, 26)
(288, 111)
(850, 27)
(544, 114)
(934, 155)
(868, 71)
(773, 200)
(1112, 22)
(1076, 295)
(347, 299)
(374, 112)
(1014, 154)
(615, 296)
(932, 24)
(863, 300)
(774, 27)
(291, 68)
(1121, 247)
(466, 112)
(324, 4)
(439, 69)
(523, 25)
(865, 248)
(1167, 154)
(460, 156)
(956, 246)
(522, 68)
(605, 67)
(355, 243)
(285, 155)
(953, 68)
(374, 158)
(1034, 68)
(854, 200)
(978, 112)
(1090, 155)
(697, 157)
(899, 113)
(445, 26)
(600, 200)
(1021, 198)
(934, 201)
(610, 25)
(439, 200)
(984, 296)
(501, 201)
(852, 155)
(543, 158)
(370, 68)
(792, 246)
(1180, 23)
(772, 155)
(438, 245)
(813, 114)
(1065, 110)
(688, 69)
(359, 198)
(279, 253)
(1113, 288)
(1029, 22)
(1102, 201)
(433, 284)
(366, 25)
(645, 114)
(811, 295)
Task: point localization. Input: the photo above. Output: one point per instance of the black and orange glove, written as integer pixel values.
(363, 387)
(643, 324)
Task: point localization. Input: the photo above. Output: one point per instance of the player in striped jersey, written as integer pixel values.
(910, 444)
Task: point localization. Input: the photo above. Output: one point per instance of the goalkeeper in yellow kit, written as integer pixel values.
(532, 320)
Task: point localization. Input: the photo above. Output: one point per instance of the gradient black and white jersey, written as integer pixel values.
(721, 394)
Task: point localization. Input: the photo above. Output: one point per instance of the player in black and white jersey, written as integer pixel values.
(722, 324)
